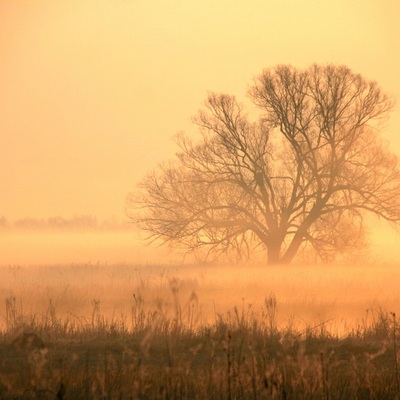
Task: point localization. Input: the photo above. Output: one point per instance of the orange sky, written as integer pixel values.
(92, 91)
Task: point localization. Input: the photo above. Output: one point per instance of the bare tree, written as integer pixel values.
(304, 174)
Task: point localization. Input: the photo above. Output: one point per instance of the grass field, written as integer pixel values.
(93, 331)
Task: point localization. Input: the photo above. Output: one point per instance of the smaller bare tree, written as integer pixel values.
(305, 173)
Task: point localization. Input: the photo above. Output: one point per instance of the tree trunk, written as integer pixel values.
(274, 251)
(292, 249)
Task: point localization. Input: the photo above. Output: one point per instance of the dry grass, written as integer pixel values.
(154, 332)
(165, 350)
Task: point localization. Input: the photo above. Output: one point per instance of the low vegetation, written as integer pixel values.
(164, 351)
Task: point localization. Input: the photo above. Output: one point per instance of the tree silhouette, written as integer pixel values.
(304, 175)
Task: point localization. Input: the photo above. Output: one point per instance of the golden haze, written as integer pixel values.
(92, 91)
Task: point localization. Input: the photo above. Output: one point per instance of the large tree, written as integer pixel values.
(304, 174)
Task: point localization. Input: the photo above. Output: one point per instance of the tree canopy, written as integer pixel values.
(303, 174)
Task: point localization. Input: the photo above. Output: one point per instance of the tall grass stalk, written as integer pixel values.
(396, 366)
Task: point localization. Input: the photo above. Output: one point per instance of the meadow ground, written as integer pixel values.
(123, 331)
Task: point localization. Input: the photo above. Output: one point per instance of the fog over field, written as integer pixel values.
(74, 270)
(339, 296)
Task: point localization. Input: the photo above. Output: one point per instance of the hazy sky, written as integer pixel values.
(92, 91)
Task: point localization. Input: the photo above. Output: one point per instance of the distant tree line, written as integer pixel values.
(80, 222)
